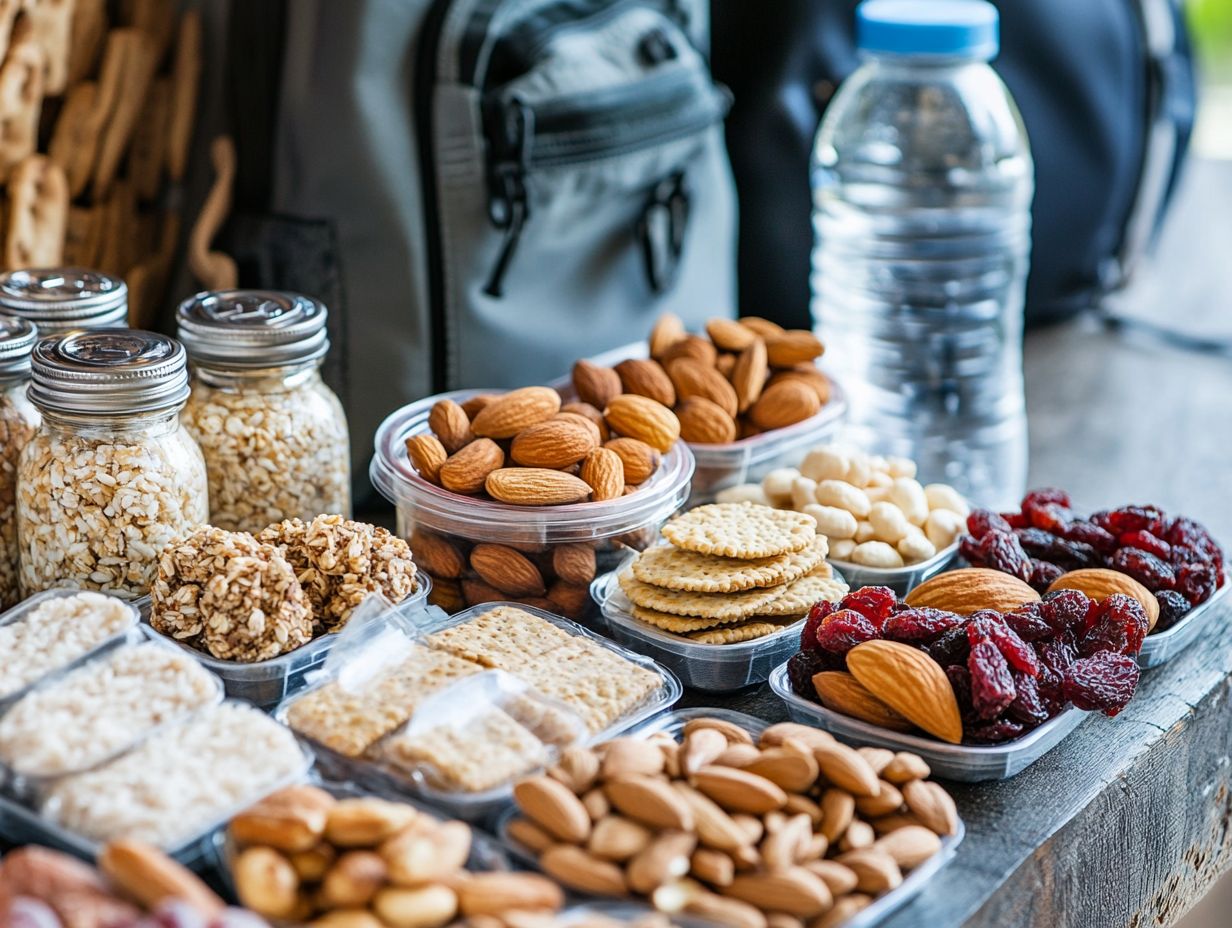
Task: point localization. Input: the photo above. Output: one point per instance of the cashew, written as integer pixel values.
(860, 471)
(841, 548)
(744, 493)
(879, 479)
(831, 522)
(876, 554)
(908, 495)
(889, 523)
(865, 532)
(944, 496)
(900, 467)
(825, 463)
(942, 526)
(777, 483)
(844, 496)
(802, 490)
(916, 548)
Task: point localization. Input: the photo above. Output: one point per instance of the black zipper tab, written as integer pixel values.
(508, 204)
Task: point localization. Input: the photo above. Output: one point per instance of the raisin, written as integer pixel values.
(1055, 656)
(802, 667)
(980, 625)
(1028, 706)
(950, 648)
(1130, 519)
(1103, 681)
(1145, 541)
(1001, 551)
(1172, 608)
(1045, 496)
(1028, 621)
(1075, 554)
(1017, 653)
(819, 610)
(1088, 533)
(996, 732)
(1146, 568)
(1051, 517)
(1066, 609)
(992, 686)
(982, 521)
(1038, 543)
(1015, 519)
(960, 683)
(1119, 625)
(969, 550)
(841, 631)
(1190, 534)
(1196, 582)
(1043, 573)
(872, 602)
(919, 624)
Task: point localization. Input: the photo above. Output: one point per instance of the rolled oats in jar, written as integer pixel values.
(273, 434)
(111, 476)
(60, 299)
(18, 421)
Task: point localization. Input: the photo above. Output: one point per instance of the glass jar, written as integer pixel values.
(61, 299)
(273, 434)
(111, 476)
(18, 421)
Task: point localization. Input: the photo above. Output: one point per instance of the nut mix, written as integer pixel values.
(871, 508)
(1173, 557)
(971, 655)
(304, 856)
(731, 829)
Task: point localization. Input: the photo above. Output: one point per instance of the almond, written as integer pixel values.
(725, 364)
(838, 808)
(498, 893)
(844, 910)
(763, 327)
(729, 335)
(508, 570)
(700, 749)
(875, 870)
(477, 402)
(731, 913)
(779, 851)
(730, 730)
(476, 593)
(794, 891)
(932, 805)
(437, 555)
(841, 692)
(596, 434)
(910, 846)
(569, 599)
(450, 424)
(586, 411)
(642, 418)
(878, 758)
(553, 807)
(704, 423)
(784, 404)
(603, 471)
(466, 471)
(597, 386)
(893, 822)
(597, 806)
(782, 732)
(618, 839)
(691, 346)
(649, 801)
(554, 444)
(738, 755)
(646, 378)
(714, 867)
(846, 769)
(576, 869)
(693, 378)
(887, 800)
(904, 768)
(639, 459)
(624, 757)
(518, 409)
(577, 768)
(667, 330)
(715, 827)
(666, 858)
(792, 770)
(420, 856)
(426, 454)
(971, 589)
(910, 682)
(1099, 583)
(447, 594)
(534, 486)
(797, 804)
(748, 377)
(529, 835)
(573, 563)
(808, 375)
(793, 347)
(738, 790)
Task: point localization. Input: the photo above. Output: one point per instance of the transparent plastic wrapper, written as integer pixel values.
(1160, 647)
(965, 762)
(267, 683)
(902, 580)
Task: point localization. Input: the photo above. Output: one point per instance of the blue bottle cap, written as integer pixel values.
(944, 28)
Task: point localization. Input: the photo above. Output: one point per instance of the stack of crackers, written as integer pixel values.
(731, 572)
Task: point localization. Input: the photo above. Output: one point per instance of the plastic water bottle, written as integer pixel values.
(922, 184)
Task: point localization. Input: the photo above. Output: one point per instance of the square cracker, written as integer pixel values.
(503, 638)
(800, 596)
(725, 607)
(742, 530)
(675, 569)
(600, 686)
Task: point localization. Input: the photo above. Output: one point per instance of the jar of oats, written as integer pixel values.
(18, 420)
(111, 476)
(61, 299)
(273, 434)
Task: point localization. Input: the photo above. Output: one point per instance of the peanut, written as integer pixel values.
(832, 522)
(876, 554)
(889, 523)
(843, 496)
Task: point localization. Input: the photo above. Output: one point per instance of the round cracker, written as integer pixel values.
(799, 596)
(728, 607)
(741, 530)
(673, 569)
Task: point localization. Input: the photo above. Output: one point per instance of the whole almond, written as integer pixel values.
(506, 569)
(1098, 583)
(576, 869)
(569, 599)
(577, 768)
(555, 444)
(971, 589)
(779, 850)
(876, 872)
(518, 409)
(838, 808)
(705, 423)
(616, 838)
(783, 404)
(841, 692)
(701, 748)
(859, 834)
(449, 422)
(586, 411)
(779, 733)
(909, 847)
(666, 858)
(472, 406)
(808, 375)
(729, 335)
(893, 822)
(417, 856)
(846, 769)
(467, 470)
(878, 758)
(553, 807)
(642, 418)
(722, 911)
(714, 867)
(797, 804)
(597, 806)
(715, 827)
(646, 378)
(748, 376)
(844, 910)
(887, 800)
(426, 454)
(738, 755)
(639, 459)
(791, 770)
(476, 592)
(597, 435)
(793, 347)
(649, 801)
(693, 347)
(667, 330)
(795, 891)
(595, 385)
(932, 805)
(725, 364)
(497, 893)
(604, 472)
(534, 486)
(623, 757)
(763, 327)
(909, 682)
(529, 835)
(904, 768)
(730, 730)
(738, 790)
(574, 563)
(693, 378)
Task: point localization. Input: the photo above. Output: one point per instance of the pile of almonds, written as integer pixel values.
(749, 376)
(525, 449)
(306, 857)
(792, 828)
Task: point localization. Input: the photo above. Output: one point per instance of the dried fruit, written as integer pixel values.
(992, 686)
(803, 666)
(1002, 551)
(872, 602)
(1103, 681)
(919, 625)
(817, 612)
(1028, 707)
(1028, 622)
(1118, 624)
(951, 647)
(1067, 610)
(982, 521)
(841, 631)
(1043, 574)
(1196, 582)
(1145, 541)
(995, 732)
(1172, 608)
(1146, 568)
(1091, 534)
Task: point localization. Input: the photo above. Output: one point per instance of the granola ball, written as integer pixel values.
(290, 538)
(184, 567)
(255, 609)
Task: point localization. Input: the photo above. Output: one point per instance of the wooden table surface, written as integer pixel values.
(1129, 821)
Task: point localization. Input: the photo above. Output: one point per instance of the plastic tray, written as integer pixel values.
(750, 459)
(267, 683)
(19, 613)
(1162, 647)
(710, 667)
(902, 580)
(968, 763)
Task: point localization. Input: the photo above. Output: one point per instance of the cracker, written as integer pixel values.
(800, 596)
(737, 633)
(503, 638)
(673, 569)
(729, 607)
(38, 214)
(598, 685)
(743, 530)
(677, 624)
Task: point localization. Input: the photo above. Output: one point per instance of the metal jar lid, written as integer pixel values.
(17, 338)
(108, 372)
(62, 298)
(250, 329)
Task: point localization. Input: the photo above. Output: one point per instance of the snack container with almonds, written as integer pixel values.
(478, 550)
(18, 422)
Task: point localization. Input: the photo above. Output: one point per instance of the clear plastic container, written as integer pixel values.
(1159, 648)
(267, 683)
(715, 668)
(433, 519)
(19, 420)
(902, 580)
(968, 763)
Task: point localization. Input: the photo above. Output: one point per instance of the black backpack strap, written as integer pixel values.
(256, 35)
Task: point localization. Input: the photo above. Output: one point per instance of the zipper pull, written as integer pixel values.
(509, 205)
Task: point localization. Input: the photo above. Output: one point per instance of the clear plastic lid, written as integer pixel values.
(440, 510)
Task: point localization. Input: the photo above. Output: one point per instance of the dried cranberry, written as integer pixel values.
(982, 521)
(1015, 519)
(1038, 543)
(1018, 654)
(803, 666)
(1076, 554)
(1119, 624)
(1028, 622)
(1172, 608)
(1090, 534)
(841, 631)
(951, 647)
(872, 602)
(819, 610)
(1185, 531)
(1103, 681)
(1049, 516)
(997, 732)
(1055, 656)
(1001, 551)
(992, 687)
(980, 625)
(1043, 574)
(969, 550)
(1066, 609)
(919, 624)
(1145, 541)
(1130, 519)
(1146, 568)
(1044, 496)
(1028, 706)
(1196, 582)
(960, 682)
